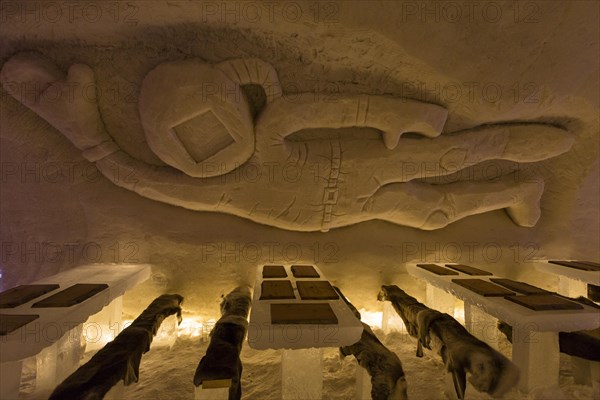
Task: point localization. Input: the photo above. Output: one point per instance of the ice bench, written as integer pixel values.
(573, 276)
(294, 308)
(575, 279)
(535, 333)
(51, 322)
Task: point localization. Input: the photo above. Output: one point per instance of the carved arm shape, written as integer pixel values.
(197, 120)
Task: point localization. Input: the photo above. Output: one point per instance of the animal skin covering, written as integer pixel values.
(461, 352)
(119, 359)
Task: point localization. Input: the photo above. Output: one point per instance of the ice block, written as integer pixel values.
(54, 339)
(302, 374)
(581, 275)
(363, 384)
(544, 325)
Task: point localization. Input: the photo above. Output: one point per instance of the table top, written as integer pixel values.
(269, 327)
(54, 322)
(592, 277)
(510, 312)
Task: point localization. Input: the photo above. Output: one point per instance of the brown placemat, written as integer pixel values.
(484, 288)
(436, 269)
(22, 294)
(280, 289)
(519, 287)
(305, 271)
(274, 271)
(544, 302)
(303, 313)
(584, 266)
(72, 295)
(316, 290)
(10, 323)
(468, 269)
(589, 263)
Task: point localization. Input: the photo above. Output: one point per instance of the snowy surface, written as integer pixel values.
(261, 378)
(592, 277)
(66, 214)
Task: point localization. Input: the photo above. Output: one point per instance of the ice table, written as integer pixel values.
(535, 333)
(572, 282)
(55, 336)
(301, 341)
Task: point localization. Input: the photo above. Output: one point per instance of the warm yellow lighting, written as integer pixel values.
(190, 327)
(371, 318)
(459, 311)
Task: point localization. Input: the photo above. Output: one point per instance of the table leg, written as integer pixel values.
(103, 326)
(571, 287)
(581, 371)
(363, 384)
(439, 299)
(595, 377)
(10, 376)
(537, 356)
(302, 374)
(55, 363)
(482, 325)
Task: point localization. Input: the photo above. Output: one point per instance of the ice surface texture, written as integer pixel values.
(197, 120)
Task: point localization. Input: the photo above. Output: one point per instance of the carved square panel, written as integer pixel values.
(203, 136)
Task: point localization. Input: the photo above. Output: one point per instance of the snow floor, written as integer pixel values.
(167, 373)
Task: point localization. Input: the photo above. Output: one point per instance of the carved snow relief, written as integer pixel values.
(198, 120)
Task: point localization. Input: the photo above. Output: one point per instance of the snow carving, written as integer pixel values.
(198, 120)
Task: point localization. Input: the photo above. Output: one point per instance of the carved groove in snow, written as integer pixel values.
(252, 168)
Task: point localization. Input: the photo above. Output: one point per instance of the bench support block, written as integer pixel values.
(302, 374)
(537, 356)
(481, 325)
(440, 300)
(10, 376)
(55, 363)
(571, 287)
(363, 383)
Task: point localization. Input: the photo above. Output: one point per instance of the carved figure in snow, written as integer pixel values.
(198, 121)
